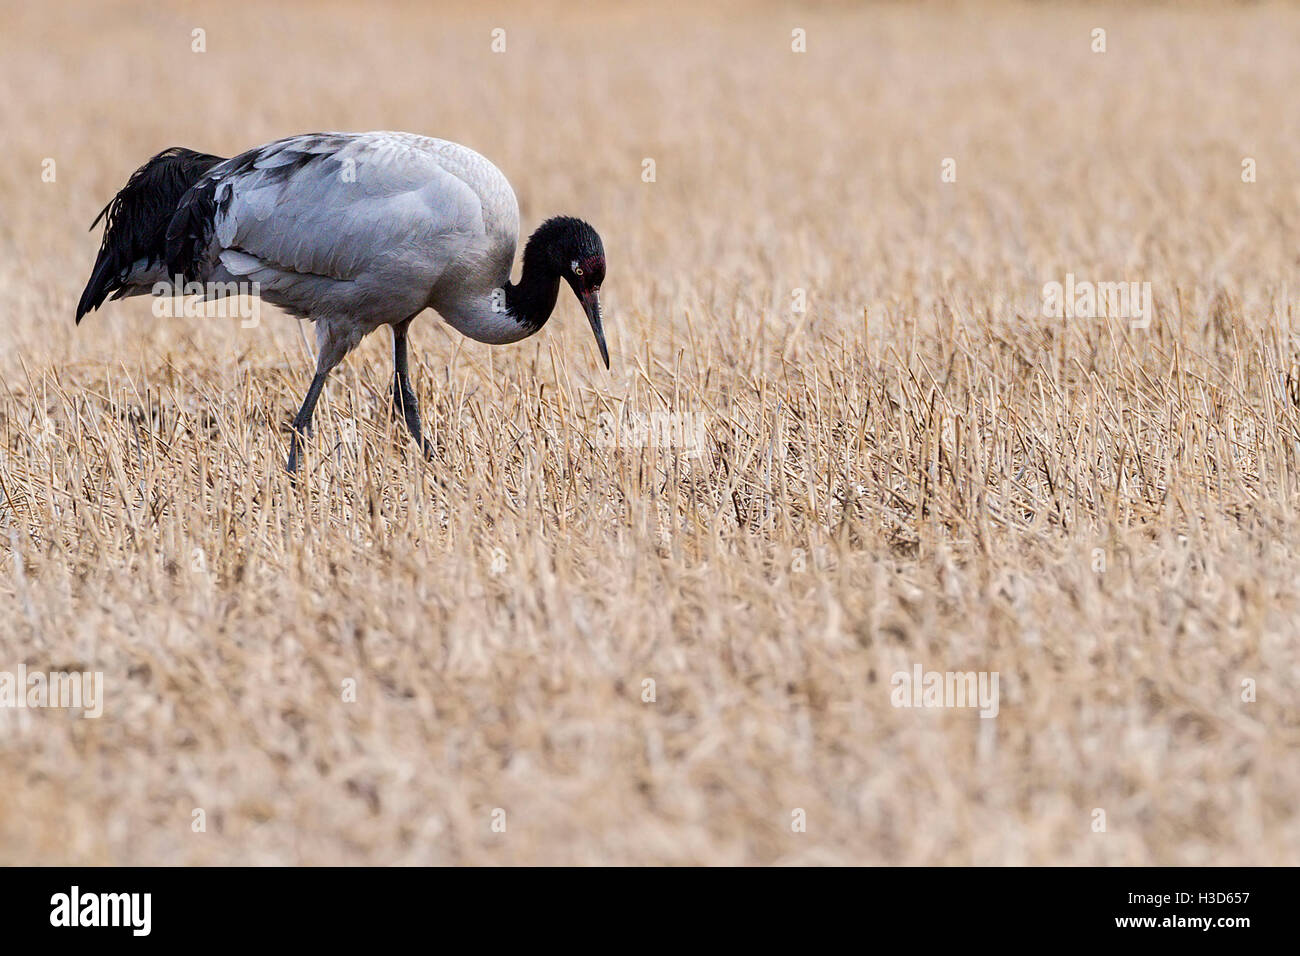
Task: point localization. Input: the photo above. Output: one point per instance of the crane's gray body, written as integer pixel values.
(359, 230)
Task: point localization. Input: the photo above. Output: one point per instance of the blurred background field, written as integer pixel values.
(919, 468)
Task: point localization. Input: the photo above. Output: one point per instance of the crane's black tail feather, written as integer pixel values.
(135, 221)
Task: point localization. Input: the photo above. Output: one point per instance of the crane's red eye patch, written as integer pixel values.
(593, 267)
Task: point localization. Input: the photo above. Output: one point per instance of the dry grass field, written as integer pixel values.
(378, 664)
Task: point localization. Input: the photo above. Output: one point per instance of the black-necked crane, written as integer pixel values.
(352, 231)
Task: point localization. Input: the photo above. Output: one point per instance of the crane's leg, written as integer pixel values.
(332, 349)
(404, 402)
(302, 423)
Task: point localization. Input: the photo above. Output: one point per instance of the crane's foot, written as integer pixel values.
(407, 409)
(302, 421)
(294, 442)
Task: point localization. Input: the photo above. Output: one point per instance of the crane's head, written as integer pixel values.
(574, 252)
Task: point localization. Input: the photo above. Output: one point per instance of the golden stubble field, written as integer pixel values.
(918, 469)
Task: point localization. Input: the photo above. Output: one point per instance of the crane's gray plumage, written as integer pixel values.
(353, 231)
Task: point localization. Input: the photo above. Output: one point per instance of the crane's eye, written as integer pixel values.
(577, 270)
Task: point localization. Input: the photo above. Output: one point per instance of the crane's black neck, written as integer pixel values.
(559, 244)
(531, 300)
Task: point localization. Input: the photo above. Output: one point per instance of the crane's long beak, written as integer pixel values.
(591, 305)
